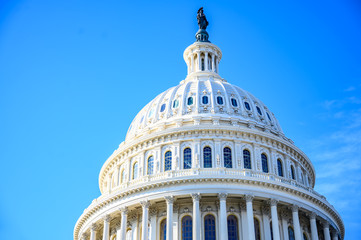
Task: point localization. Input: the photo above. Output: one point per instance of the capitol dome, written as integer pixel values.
(207, 160)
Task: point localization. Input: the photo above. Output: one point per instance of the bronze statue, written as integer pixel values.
(202, 20)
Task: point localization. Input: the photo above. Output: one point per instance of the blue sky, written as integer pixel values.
(73, 74)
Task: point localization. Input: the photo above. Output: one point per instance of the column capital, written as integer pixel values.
(295, 208)
(222, 196)
(145, 204)
(284, 213)
(169, 199)
(248, 197)
(106, 218)
(273, 202)
(334, 233)
(94, 227)
(84, 236)
(242, 205)
(265, 210)
(313, 215)
(124, 210)
(325, 224)
(196, 196)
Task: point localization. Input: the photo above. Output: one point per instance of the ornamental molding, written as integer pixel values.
(311, 197)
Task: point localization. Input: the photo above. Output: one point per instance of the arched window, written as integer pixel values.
(219, 100)
(135, 170)
(271, 228)
(187, 158)
(123, 176)
(202, 64)
(247, 159)
(187, 228)
(293, 172)
(257, 231)
(205, 99)
(163, 229)
(248, 107)
(279, 167)
(305, 236)
(258, 110)
(227, 156)
(168, 161)
(190, 101)
(150, 165)
(232, 225)
(209, 227)
(234, 102)
(302, 180)
(207, 157)
(264, 163)
(291, 234)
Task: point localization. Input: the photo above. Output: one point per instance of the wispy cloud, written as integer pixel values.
(350, 89)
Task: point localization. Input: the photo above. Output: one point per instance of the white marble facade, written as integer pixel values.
(207, 160)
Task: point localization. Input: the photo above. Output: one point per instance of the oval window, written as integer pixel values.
(269, 116)
(175, 103)
(259, 110)
(220, 100)
(162, 108)
(205, 99)
(190, 101)
(234, 102)
(248, 107)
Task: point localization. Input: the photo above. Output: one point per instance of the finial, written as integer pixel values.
(202, 35)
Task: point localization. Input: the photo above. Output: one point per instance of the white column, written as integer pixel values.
(242, 206)
(196, 228)
(326, 230)
(213, 64)
(274, 214)
(199, 61)
(118, 233)
(123, 223)
(250, 220)
(223, 216)
(145, 207)
(284, 216)
(296, 222)
(93, 232)
(169, 200)
(266, 223)
(206, 61)
(314, 234)
(175, 221)
(192, 63)
(334, 235)
(153, 225)
(106, 227)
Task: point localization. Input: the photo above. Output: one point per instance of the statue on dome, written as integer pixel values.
(202, 20)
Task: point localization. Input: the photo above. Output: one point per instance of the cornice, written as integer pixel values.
(104, 201)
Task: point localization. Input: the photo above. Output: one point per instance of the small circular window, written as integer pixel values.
(190, 101)
(175, 103)
(259, 110)
(219, 100)
(162, 108)
(234, 102)
(205, 99)
(248, 107)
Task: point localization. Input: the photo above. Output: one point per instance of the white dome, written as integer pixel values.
(204, 100)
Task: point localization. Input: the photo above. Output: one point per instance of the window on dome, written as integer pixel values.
(207, 157)
(163, 229)
(269, 118)
(190, 101)
(162, 108)
(227, 156)
(150, 165)
(141, 120)
(168, 161)
(264, 163)
(135, 170)
(209, 227)
(219, 100)
(187, 158)
(247, 159)
(205, 99)
(291, 234)
(202, 64)
(257, 229)
(175, 103)
(150, 114)
(258, 110)
(248, 107)
(279, 167)
(293, 173)
(123, 176)
(187, 228)
(234, 102)
(232, 225)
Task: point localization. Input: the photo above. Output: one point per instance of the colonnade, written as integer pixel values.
(197, 66)
(246, 214)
